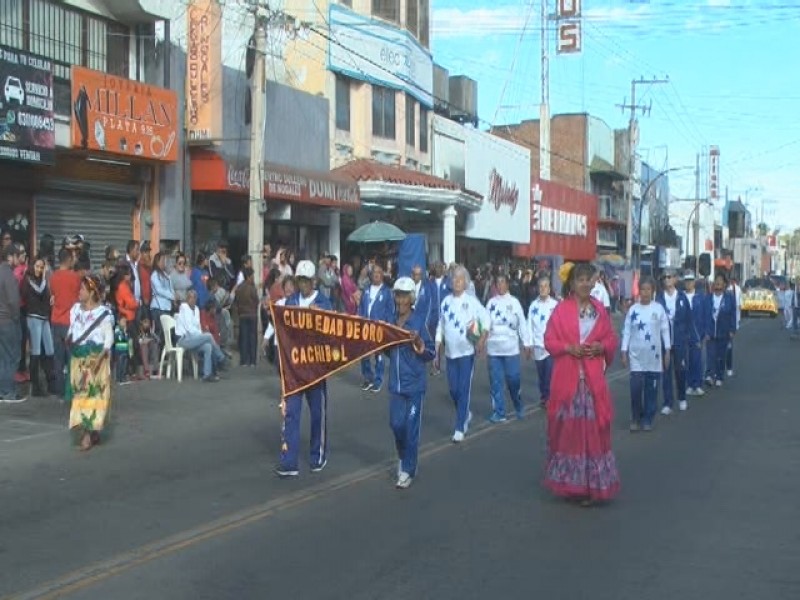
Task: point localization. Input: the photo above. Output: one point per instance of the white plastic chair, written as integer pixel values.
(173, 354)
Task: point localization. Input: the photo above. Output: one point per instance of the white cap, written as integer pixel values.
(305, 268)
(689, 277)
(404, 284)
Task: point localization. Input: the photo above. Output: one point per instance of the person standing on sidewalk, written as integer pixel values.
(695, 373)
(507, 329)
(679, 312)
(162, 295)
(246, 302)
(376, 305)
(65, 285)
(316, 396)
(645, 336)
(408, 381)
(460, 335)
(538, 317)
(36, 292)
(10, 328)
(720, 319)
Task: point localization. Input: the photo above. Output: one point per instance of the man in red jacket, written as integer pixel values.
(65, 284)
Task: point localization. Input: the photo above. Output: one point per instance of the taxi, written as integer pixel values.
(759, 300)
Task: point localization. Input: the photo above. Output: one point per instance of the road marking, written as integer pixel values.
(49, 428)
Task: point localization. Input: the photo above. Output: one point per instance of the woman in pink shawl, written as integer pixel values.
(349, 291)
(581, 339)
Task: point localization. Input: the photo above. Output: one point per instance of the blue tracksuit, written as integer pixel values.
(719, 329)
(681, 327)
(382, 310)
(425, 305)
(695, 379)
(407, 386)
(317, 398)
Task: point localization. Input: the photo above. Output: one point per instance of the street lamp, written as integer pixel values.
(641, 208)
(696, 240)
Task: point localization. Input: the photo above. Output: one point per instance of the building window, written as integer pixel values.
(387, 9)
(342, 103)
(348, 3)
(383, 112)
(424, 23)
(423, 129)
(411, 122)
(412, 17)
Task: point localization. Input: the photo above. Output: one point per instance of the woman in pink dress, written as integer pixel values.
(582, 342)
(350, 295)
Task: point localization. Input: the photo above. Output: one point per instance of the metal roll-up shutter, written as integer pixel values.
(102, 221)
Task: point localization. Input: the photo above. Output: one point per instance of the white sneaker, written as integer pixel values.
(458, 437)
(403, 481)
(699, 392)
(467, 422)
(719, 383)
(691, 392)
(683, 405)
(666, 411)
(730, 373)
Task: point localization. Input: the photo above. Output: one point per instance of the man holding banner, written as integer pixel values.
(376, 305)
(316, 395)
(408, 380)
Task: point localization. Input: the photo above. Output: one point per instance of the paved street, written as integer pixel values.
(181, 503)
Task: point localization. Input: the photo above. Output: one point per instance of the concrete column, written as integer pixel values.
(449, 230)
(334, 233)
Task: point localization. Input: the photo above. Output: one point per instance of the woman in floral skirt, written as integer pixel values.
(582, 342)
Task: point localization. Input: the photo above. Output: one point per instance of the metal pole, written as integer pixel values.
(696, 240)
(255, 223)
(544, 109)
(631, 167)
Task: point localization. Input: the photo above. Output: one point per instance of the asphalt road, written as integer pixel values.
(181, 503)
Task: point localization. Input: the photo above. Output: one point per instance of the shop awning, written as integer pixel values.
(212, 172)
(382, 183)
(600, 166)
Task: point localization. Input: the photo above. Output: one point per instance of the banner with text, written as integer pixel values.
(314, 344)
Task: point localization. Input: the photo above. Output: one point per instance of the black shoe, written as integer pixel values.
(15, 398)
(211, 379)
(286, 473)
(319, 467)
(366, 386)
(375, 390)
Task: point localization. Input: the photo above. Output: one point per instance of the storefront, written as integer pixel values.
(302, 208)
(563, 223)
(105, 186)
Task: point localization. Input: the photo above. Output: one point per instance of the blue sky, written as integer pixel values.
(733, 65)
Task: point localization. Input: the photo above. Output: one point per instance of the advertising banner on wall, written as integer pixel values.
(124, 117)
(563, 222)
(713, 173)
(500, 172)
(204, 70)
(27, 127)
(367, 50)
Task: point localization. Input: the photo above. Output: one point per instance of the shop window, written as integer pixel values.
(412, 17)
(424, 23)
(342, 103)
(383, 112)
(411, 122)
(423, 129)
(387, 9)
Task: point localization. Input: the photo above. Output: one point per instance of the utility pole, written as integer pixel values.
(633, 107)
(544, 109)
(696, 241)
(255, 223)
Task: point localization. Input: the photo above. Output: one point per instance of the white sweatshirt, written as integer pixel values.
(456, 313)
(539, 315)
(646, 329)
(507, 326)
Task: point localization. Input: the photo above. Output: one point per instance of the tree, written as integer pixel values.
(762, 229)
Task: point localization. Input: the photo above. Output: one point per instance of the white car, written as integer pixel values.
(13, 90)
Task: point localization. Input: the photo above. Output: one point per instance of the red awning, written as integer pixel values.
(213, 173)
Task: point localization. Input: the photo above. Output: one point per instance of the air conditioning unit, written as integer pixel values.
(441, 90)
(464, 99)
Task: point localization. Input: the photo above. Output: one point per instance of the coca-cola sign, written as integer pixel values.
(502, 192)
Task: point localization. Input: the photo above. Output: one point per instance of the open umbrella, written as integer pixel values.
(377, 231)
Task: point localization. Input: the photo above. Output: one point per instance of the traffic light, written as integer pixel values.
(705, 265)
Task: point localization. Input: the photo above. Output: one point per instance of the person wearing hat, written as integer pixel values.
(316, 396)
(694, 378)
(682, 335)
(408, 380)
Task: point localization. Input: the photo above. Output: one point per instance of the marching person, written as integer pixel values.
(408, 381)
(440, 288)
(681, 328)
(720, 319)
(538, 317)
(376, 305)
(736, 292)
(316, 396)
(694, 379)
(645, 350)
(507, 329)
(461, 333)
(424, 299)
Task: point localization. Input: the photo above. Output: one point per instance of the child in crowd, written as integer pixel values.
(121, 350)
(208, 319)
(148, 348)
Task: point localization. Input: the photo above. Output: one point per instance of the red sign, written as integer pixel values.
(570, 40)
(563, 223)
(314, 344)
(502, 193)
(212, 173)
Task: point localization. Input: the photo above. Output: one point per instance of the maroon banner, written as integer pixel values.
(314, 344)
